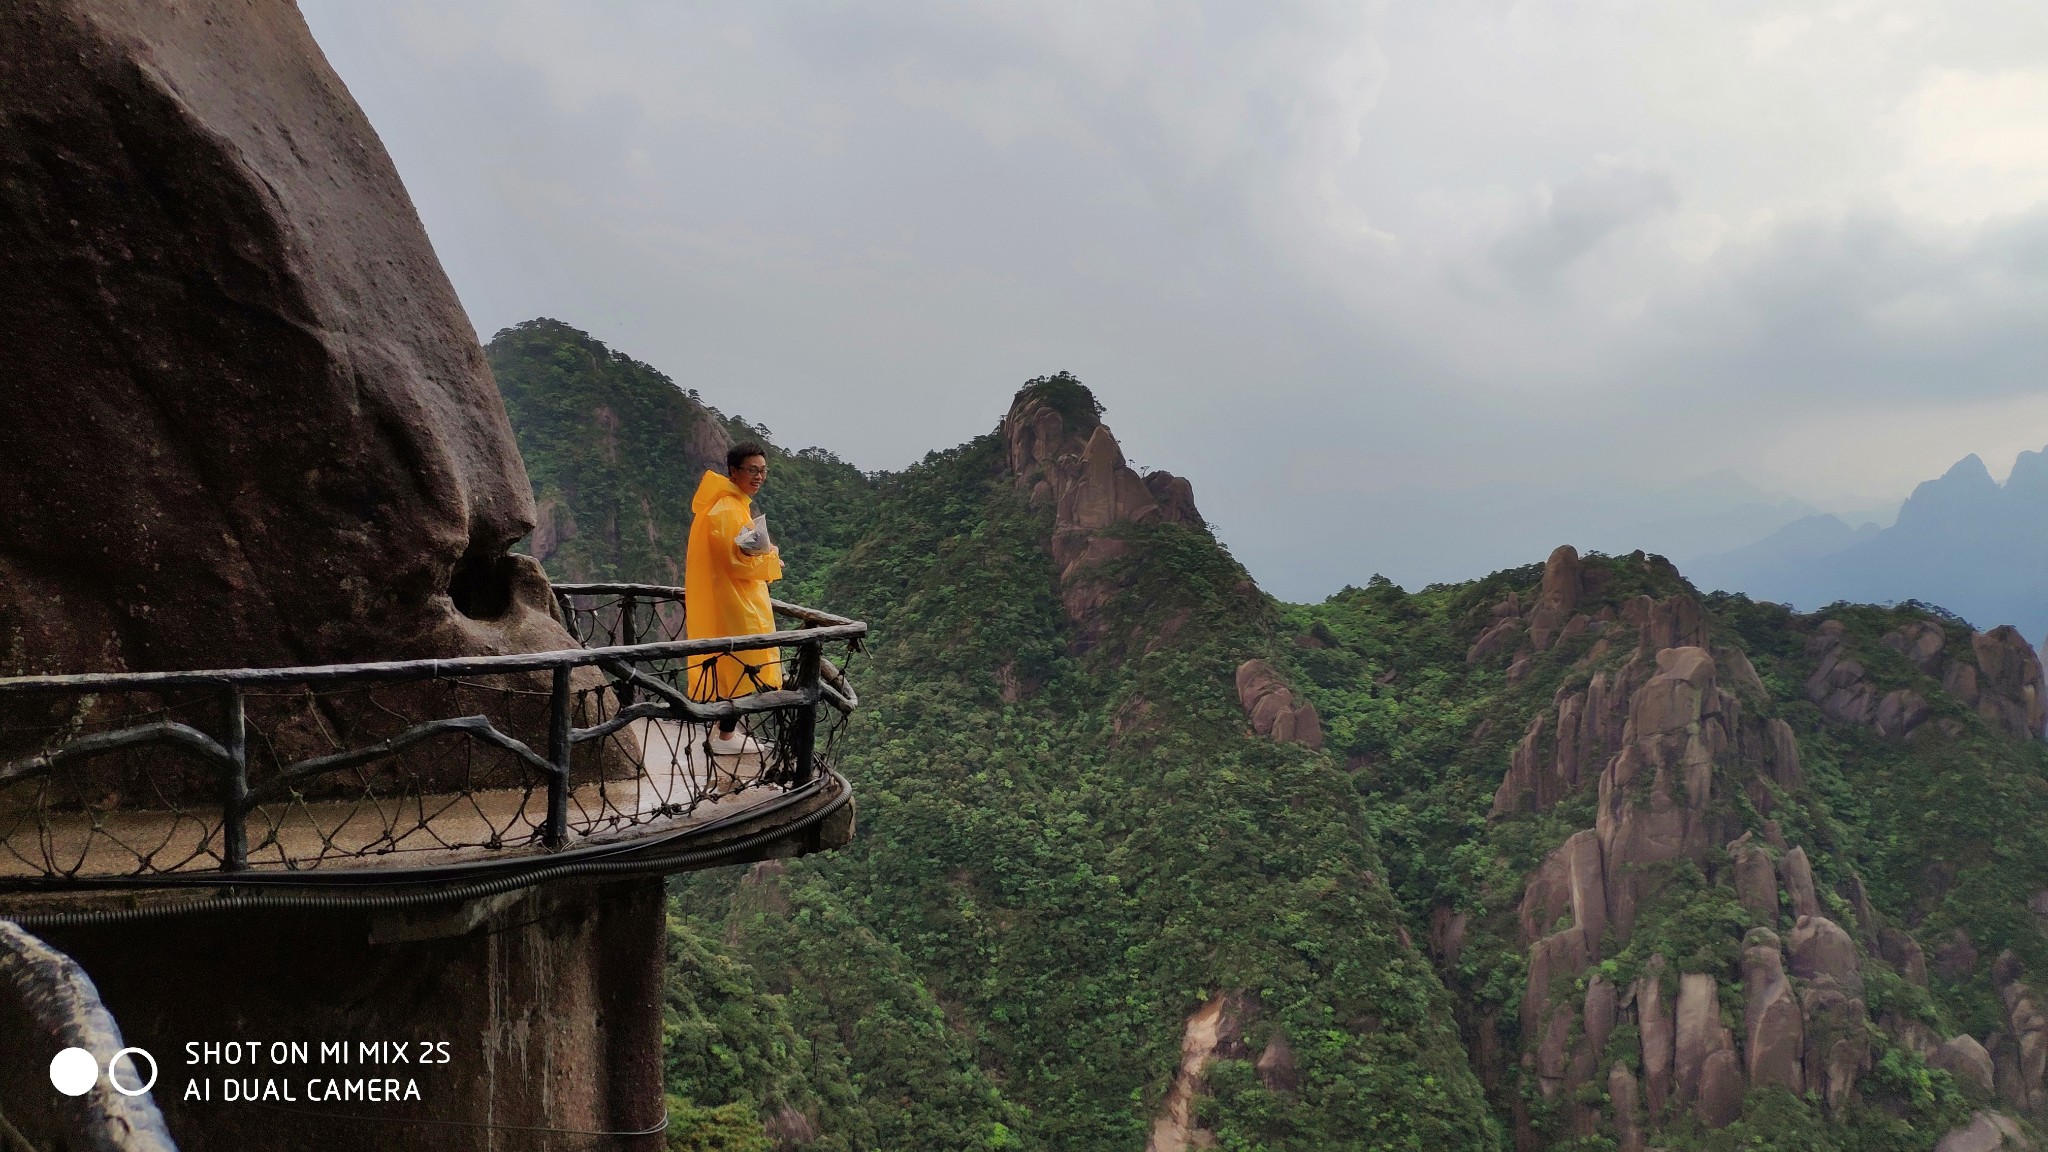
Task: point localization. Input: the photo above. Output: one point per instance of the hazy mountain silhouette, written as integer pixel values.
(1964, 542)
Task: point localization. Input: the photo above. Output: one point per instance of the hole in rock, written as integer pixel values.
(481, 585)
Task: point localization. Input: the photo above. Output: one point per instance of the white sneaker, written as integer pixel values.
(737, 744)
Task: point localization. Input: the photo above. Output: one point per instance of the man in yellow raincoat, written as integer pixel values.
(725, 589)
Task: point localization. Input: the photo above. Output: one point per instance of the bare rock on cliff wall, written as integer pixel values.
(1702, 1040)
(1902, 952)
(1837, 1038)
(1657, 1034)
(1966, 1060)
(1498, 637)
(2009, 682)
(1921, 642)
(1673, 622)
(1797, 876)
(1741, 673)
(1774, 1039)
(1071, 461)
(1901, 711)
(1821, 949)
(1215, 1030)
(1675, 729)
(1527, 786)
(248, 420)
(1569, 881)
(1630, 1131)
(1273, 709)
(1559, 598)
(2027, 1031)
(1783, 754)
(1720, 1102)
(1838, 685)
(1756, 879)
(1986, 1132)
(1548, 1018)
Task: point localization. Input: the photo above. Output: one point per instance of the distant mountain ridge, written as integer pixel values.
(1965, 542)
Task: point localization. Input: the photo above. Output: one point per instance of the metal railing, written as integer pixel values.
(423, 766)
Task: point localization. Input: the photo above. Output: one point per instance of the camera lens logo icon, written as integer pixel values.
(74, 1071)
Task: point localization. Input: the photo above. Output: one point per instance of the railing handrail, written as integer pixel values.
(798, 611)
(428, 669)
(637, 675)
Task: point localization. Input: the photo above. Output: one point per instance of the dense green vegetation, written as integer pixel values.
(1946, 832)
(615, 451)
(1063, 856)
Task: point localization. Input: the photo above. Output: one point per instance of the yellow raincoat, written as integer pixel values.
(725, 593)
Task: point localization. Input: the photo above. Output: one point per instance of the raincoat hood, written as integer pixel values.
(714, 487)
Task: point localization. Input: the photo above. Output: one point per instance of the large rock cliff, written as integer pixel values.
(248, 420)
(1066, 458)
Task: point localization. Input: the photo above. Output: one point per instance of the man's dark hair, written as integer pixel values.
(738, 454)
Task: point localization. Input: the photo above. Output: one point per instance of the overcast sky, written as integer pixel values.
(1433, 285)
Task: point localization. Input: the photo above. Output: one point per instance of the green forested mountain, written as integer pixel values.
(1571, 856)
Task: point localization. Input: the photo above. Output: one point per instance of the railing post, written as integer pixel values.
(625, 688)
(557, 830)
(808, 675)
(234, 792)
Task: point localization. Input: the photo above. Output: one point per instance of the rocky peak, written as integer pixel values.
(1062, 453)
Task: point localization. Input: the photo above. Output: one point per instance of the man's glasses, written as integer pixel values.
(757, 470)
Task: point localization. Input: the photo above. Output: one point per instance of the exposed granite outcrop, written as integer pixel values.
(1063, 455)
(1837, 1041)
(248, 419)
(1774, 1037)
(1705, 1071)
(1215, 1030)
(1558, 599)
(1986, 1132)
(1965, 1059)
(1273, 709)
(2023, 1049)
(2000, 677)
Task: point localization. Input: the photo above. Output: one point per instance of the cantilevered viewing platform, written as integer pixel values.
(407, 783)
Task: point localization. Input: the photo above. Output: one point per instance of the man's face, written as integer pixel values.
(751, 474)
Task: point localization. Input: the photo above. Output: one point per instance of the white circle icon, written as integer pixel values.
(134, 1069)
(74, 1071)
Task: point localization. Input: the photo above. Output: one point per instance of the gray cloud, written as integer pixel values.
(1362, 268)
(1579, 215)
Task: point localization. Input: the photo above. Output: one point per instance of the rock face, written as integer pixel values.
(2009, 681)
(248, 420)
(1558, 599)
(1063, 455)
(1966, 1060)
(1986, 1132)
(1654, 794)
(1272, 708)
(1774, 1040)
(1653, 1018)
(2023, 1050)
(1756, 881)
(1629, 1130)
(2000, 677)
(1837, 685)
(1797, 876)
(1705, 1070)
(1216, 1029)
(1837, 1041)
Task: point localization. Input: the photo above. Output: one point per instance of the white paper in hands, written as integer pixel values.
(753, 539)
